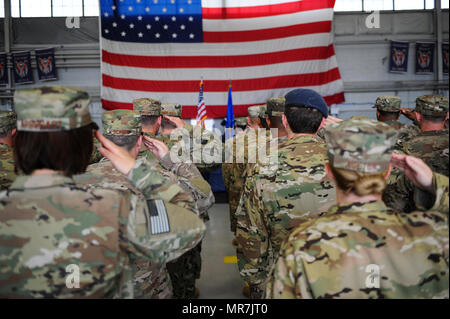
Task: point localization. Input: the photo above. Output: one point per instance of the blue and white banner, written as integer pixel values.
(399, 57)
(23, 73)
(424, 58)
(3, 69)
(45, 64)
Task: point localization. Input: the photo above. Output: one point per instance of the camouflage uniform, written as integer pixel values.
(430, 146)
(345, 252)
(234, 171)
(7, 173)
(202, 138)
(151, 280)
(186, 269)
(276, 198)
(48, 222)
(240, 121)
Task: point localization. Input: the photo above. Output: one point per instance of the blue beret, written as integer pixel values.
(307, 98)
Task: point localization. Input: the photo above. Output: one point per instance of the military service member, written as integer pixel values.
(7, 132)
(357, 249)
(123, 127)
(430, 145)
(233, 170)
(50, 226)
(388, 110)
(256, 116)
(185, 270)
(203, 142)
(287, 192)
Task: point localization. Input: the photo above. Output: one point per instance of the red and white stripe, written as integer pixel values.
(201, 114)
(266, 47)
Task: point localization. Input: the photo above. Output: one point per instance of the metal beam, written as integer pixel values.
(438, 30)
(7, 38)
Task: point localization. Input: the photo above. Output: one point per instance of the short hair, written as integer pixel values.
(167, 124)
(6, 133)
(389, 114)
(303, 119)
(125, 141)
(149, 120)
(434, 119)
(67, 151)
(275, 122)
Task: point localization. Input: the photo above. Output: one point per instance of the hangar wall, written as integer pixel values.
(362, 53)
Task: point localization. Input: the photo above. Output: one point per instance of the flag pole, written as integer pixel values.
(229, 127)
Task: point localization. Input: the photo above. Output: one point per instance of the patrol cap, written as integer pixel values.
(360, 145)
(432, 105)
(308, 98)
(388, 103)
(122, 122)
(171, 109)
(240, 121)
(51, 108)
(147, 106)
(275, 106)
(257, 110)
(7, 121)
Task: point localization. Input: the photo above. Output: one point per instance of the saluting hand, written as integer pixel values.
(416, 170)
(158, 148)
(410, 114)
(179, 123)
(120, 158)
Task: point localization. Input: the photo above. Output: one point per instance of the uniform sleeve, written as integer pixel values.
(158, 231)
(281, 284)
(192, 181)
(252, 236)
(209, 155)
(153, 185)
(439, 200)
(399, 195)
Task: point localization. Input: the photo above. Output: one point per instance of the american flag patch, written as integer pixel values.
(159, 221)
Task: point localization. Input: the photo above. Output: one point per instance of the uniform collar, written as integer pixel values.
(371, 206)
(302, 139)
(40, 181)
(5, 146)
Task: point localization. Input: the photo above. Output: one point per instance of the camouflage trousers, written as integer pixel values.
(151, 281)
(256, 292)
(184, 271)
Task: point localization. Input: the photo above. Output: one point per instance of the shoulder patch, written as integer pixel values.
(159, 221)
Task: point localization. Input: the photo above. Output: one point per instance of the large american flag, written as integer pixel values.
(161, 49)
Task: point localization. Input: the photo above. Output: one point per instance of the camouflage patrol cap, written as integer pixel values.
(7, 121)
(432, 105)
(360, 145)
(171, 109)
(257, 110)
(122, 122)
(388, 103)
(51, 108)
(147, 106)
(275, 106)
(240, 121)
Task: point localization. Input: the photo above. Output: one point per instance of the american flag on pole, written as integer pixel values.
(201, 108)
(160, 48)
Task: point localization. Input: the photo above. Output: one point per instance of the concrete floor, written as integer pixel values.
(219, 280)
